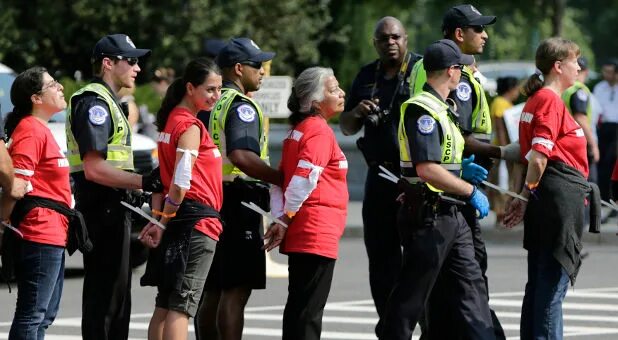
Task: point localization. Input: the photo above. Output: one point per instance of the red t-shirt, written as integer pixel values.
(318, 225)
(547, 127)
(37, 158)
(206, 176)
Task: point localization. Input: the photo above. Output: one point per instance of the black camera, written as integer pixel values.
(377, 116)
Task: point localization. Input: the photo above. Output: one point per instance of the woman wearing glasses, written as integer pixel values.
(313, 201)
(37, 158)
(554, 147)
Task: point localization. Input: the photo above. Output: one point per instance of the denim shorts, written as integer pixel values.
(201, 254)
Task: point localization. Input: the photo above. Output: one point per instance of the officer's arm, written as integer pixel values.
(101, 172)
(252, 165)
(442, 179)
(351, 120)
(474, 146)
(582, 120)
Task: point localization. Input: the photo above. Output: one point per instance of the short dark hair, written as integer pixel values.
(25, 85)
(97, 66)
(505, 84)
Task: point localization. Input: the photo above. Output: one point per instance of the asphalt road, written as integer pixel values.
(591, 308)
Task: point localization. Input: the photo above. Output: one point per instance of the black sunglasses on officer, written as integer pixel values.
(130, 60)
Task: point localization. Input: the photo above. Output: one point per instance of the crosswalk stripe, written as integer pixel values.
(565, 305)
(325, 318)
(570, 317)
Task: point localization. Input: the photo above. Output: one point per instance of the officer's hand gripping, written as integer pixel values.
(151, 182)
(479, 201)
(472, 172)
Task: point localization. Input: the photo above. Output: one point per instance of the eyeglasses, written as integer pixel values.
(130, 60)
(254, 64)
(387, 37)
(477, 28)
(52, 84)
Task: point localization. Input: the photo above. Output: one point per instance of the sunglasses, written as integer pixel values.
(477, 28)
(387, 38)
(254, 64)
(130, 60)
(459, 66)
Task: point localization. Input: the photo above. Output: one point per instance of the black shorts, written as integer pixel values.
(239, 259)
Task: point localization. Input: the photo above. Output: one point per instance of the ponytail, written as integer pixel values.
(26, 84)
(175, 92)
(532, 84)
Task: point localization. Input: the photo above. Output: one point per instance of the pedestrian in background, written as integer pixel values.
(37, 158)
(312, 202)
(554, 147)
(190, 166)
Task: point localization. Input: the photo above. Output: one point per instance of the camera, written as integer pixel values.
(377, 116)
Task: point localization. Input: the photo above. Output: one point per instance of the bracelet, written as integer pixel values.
(473, 192)
(160, 213)
(169, 200)
(290, 214)
(531, 186)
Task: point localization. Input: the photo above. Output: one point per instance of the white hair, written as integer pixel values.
(309, 86)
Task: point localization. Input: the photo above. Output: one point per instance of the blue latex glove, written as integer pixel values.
(479, 201)
(472, 172)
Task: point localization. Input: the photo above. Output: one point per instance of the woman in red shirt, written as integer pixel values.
(37, 158)
(554, 147)
(190, 166)
(313, 201)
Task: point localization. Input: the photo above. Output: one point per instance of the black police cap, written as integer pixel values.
(117, 45)
(443, 54)
(465, 15)
(239, 50)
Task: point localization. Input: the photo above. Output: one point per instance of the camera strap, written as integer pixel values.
(401, 75)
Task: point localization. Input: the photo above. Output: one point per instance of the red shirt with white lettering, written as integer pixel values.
(547, 127)
(206, 176)
(318, 225)
(37, 158)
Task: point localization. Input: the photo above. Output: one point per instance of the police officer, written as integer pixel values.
(237, 128)
(377, 92)
(434, 233)
(578, 102)
(101, 162)
(466, 26)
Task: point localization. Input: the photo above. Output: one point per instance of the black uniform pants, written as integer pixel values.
(446, 246)
(106, 299)
(310, 278)
(381, 237)
(607, 149)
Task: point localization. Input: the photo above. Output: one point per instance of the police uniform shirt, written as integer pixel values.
(579, 102)
(423, 131)
(242, 124)
(381, 141)
(465, 99)
(91, 122)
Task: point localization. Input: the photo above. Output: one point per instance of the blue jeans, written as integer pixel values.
(40, 274)
(541, 311)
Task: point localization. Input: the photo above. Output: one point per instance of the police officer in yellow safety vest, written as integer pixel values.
(435, 236)
(101, 161)
(236, 125)
(466, 26)
(578, 102)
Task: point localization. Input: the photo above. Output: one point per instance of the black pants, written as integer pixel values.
(607, 150)
(447, 247)
(381, 238)
(310, 278)
(106, 300)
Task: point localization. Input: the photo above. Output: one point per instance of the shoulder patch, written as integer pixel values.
(581, 95)
(426, 124)
(246, 113)
(97, 115)
(464, 91)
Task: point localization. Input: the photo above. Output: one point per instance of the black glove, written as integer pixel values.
(151, 182)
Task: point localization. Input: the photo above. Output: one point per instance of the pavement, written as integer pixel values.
(492, 232)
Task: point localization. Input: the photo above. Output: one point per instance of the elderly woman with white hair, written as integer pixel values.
(313, 201)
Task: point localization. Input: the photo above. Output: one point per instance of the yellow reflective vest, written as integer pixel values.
(119, 153)
(216, 127)
(452, 142)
